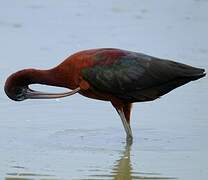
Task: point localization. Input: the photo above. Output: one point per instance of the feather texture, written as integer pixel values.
(137, 77)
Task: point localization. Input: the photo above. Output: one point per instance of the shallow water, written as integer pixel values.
(78, 138)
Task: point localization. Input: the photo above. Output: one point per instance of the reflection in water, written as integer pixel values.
(29, 176)
(123, 170)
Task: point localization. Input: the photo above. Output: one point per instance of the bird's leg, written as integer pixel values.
(126, 125)
(127, 111)
(124, 110)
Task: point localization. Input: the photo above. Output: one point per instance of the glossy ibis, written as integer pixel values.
(119, 76)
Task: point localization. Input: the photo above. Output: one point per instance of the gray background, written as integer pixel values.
(79, 138)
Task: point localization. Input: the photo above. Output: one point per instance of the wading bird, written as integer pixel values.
(119, 76)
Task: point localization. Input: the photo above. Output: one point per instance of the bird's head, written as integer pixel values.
(16, 93)
(17, 86)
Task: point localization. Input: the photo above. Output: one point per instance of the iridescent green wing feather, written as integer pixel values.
(137, 77)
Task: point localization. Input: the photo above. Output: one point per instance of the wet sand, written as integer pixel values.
(78, 138)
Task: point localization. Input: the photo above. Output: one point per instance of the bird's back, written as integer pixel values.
(136, 77)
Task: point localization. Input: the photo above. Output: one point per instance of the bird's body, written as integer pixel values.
(119, 76)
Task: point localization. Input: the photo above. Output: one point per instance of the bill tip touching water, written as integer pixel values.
(119, 76)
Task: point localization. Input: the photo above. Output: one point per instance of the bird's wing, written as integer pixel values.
(132, 74)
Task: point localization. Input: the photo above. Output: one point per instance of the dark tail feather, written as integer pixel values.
(187, 71)
(169, 86)
(197, 74)
(191, 76)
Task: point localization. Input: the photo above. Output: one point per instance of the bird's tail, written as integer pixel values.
(194, 73)
(187, 74)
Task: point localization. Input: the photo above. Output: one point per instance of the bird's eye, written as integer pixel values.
(18, 91)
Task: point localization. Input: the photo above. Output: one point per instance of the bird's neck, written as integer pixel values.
(49, 77)
(52, 77)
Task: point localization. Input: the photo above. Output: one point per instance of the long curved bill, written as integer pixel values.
(31, 94)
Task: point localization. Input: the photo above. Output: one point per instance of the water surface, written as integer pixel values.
(78, 138)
